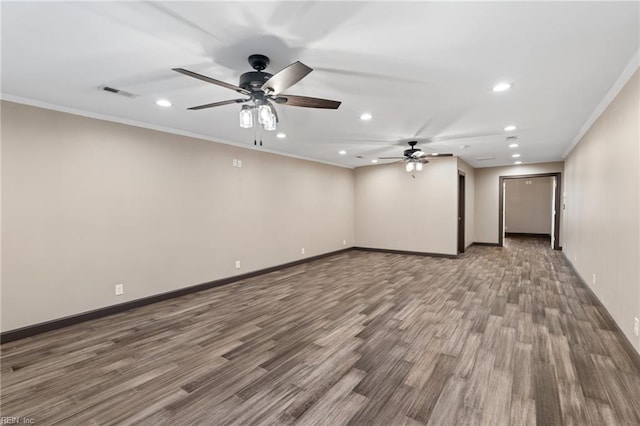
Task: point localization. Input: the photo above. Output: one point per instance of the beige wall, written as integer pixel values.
(487, 195)
(395, 211)
(602, 217)
(87, 204)
(469, 223)
(528, 205)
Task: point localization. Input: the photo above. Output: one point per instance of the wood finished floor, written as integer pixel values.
(502, 336)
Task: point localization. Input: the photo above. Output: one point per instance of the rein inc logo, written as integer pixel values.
(6, 420)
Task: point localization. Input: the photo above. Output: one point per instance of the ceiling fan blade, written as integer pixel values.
(286, 78)
(307, 102)
(391, 158)
(211, 80)
(217, 104)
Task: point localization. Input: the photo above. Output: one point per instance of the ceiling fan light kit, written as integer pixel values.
(263, 90)
(415, 157)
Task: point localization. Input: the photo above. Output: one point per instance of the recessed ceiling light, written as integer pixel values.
(513, 145)
(510, 128)
(516, 155)
(501, 87)
(281, 135)
(163, 103)
(343, 152)
(374, 161)
(366, 116)
(518, 162)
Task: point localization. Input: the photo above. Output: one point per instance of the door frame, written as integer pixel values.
(462, 210)
(556, 207)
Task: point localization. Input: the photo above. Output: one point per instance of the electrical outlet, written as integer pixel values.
(237, 264)
(636, 326)
(344, 242)
(239, 163)
(594, 279)
(302, 251)
(235, 163)
(119, 289)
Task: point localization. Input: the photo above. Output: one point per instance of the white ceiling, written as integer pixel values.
(424, 70)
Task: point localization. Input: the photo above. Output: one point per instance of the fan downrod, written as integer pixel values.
(258, 62)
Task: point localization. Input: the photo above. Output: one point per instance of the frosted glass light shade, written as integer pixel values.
(264, 114)
(270, 125)
(246, 118)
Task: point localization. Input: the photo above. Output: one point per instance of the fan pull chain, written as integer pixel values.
(255, 132)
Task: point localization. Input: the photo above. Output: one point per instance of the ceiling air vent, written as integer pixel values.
(119, 92)
(512, 138)
(485, 158)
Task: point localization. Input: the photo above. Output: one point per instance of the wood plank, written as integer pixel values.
(547, 395)
(428, 397)
(497, 408)
(338, 405)
(449, 404)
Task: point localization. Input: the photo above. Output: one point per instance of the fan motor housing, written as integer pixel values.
(253, 80)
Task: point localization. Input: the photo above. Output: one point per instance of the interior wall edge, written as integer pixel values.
(625, 76)
(88, 204)
(143, 125)
(634, 355)
(487, 244)
(487, 196)
(389, 201)
(58, 323)
(407, 252)
(602, 203)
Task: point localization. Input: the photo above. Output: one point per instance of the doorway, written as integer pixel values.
(461, 211)
(555, 206)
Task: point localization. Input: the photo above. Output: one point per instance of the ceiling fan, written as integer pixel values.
(262, 90)
(415, 157)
